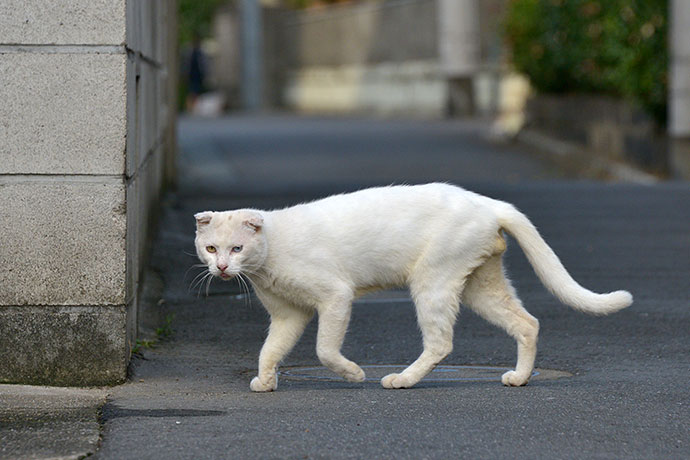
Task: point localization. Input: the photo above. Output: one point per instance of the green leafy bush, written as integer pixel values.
(195, 18)
(616, 47)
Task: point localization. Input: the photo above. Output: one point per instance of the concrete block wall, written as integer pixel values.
(86, 136)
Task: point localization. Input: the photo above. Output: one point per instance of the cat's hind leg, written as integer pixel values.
(437, 307)
(489, 293)
(334, 317)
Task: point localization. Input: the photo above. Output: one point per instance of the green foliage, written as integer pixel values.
(140, 345)
(164, 332)
(616, 47)
(195, 18)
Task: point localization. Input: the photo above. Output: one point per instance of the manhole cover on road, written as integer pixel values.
(440, 374)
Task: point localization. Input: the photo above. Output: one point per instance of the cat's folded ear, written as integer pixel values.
(203, 218)
(253, 222)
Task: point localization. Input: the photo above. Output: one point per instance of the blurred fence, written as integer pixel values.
(383, 58)
(386, 57)
(380, 58)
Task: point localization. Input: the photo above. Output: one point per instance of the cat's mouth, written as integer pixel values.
(226, 276)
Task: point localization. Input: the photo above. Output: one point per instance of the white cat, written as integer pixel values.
(443, 242)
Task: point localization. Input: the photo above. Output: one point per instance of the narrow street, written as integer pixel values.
(622, 386)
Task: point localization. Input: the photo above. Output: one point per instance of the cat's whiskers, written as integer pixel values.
(250, 274)
(253, 269)
(196, 279)
(245, 286)
(239, 284)
(205, 278)
(200, 283)
(191, 268)
(208, 283)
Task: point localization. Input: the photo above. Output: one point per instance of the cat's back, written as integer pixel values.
(380, 227)
(394, 204)
(382, 198)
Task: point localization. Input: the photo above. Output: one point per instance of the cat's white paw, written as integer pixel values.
(512, 379)
(356, 374)
(261, 387)
(396, 381)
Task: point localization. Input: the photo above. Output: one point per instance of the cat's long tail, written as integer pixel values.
(550, 270)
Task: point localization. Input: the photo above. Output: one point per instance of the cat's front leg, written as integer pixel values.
(287, 325)
(333, 319)
(258, 386)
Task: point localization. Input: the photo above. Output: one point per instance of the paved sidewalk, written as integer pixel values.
(627, 398)
(49, 422)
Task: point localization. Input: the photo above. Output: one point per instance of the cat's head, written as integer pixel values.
(230, 242)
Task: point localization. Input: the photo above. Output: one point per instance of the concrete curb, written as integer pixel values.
(38, 422)
(575, 158)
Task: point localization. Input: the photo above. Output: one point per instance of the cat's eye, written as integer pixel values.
(237, 249)
(211, 249)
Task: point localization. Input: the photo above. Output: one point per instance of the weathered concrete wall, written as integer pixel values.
(605, 126)
(85, 128)
(151, 108)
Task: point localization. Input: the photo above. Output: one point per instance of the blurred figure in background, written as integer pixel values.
(195, 73)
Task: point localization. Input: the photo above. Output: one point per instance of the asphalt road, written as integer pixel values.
(628, 394)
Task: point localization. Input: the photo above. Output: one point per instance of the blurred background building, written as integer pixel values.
(610, 78)
(386, 58)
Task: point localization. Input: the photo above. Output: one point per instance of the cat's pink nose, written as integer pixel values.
(222, 267)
